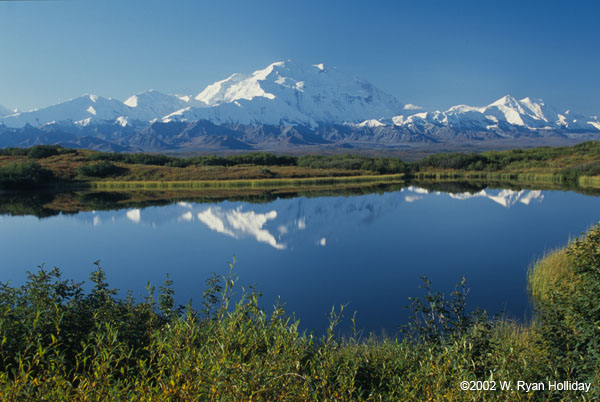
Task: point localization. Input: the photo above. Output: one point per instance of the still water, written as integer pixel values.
(366, 251)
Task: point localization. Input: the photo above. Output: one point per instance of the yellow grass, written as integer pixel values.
(548, 272)
(255, 183)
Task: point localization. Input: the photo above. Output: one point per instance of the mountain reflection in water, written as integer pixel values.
(276, 227)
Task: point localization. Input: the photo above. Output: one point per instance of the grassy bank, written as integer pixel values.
(59, 342)
(256, 183)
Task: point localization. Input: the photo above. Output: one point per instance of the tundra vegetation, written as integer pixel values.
(577, 164)
(62, 342)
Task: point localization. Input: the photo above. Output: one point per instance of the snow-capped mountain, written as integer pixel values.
(284, 105)
(80, 111)
(507, 114)
(151, 105)
(282, 93)
(87, 109)
(288, 92)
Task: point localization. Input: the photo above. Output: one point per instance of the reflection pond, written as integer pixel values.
(367, 251)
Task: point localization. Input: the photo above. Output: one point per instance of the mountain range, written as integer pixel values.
(282, 107)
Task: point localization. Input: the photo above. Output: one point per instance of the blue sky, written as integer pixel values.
(430, 53)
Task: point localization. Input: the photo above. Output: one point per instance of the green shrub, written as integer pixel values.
(43, 151)
(24, 175)
(587, 169)
(353, 162)
(101, 169)
(454, 161)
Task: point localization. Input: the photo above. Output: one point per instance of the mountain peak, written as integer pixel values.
(506, 100)
(83, 98)
(528, 100)
(149, 95)
(296, 89)
(153, 104)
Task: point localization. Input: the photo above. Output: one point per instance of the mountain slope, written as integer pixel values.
(288, 92)
(150, 105)
(82, 111)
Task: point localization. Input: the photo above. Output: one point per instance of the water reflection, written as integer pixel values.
(134, 215)
(290, 223)
(237, 223)
(506, 198)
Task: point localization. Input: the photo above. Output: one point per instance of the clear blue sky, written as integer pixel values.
(431, 53)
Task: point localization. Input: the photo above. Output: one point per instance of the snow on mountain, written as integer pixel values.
(81, 110)
(536, 115)
(282, 93)
(526, 113)
(289, 93)
(86, 109)
(369, 123)
(259, 110)
(295, 93)
(508, 109)
(152, 104)
(505, 114)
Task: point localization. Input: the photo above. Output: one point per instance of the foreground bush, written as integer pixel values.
(569, 308)
(59, 342)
